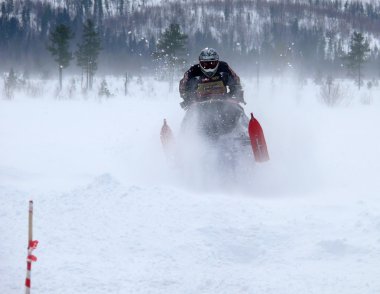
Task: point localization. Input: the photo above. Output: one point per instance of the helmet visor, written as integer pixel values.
(209, 64)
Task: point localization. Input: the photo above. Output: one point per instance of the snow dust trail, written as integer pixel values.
(112, 217)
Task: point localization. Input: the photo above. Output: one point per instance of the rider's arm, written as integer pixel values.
(233, 83)
(183, 91)
(187, 86)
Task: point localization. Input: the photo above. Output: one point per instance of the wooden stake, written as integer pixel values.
(30, 222)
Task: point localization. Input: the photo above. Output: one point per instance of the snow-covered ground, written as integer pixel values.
(112, 216)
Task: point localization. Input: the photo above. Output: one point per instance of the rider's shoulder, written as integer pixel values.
(194, 68)
(223, 65)
(193, 71)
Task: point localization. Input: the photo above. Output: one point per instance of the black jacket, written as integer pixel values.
(196, 86)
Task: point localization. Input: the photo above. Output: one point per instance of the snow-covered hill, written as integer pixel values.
(112, 217)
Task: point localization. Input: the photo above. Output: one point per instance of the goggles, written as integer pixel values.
(209, 64)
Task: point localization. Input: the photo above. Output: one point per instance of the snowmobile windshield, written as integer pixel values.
(209, 64)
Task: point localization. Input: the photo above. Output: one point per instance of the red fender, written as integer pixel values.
(256, 135)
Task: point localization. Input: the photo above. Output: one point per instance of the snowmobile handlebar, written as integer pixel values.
(188, 103)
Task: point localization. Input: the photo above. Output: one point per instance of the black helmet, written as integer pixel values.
(209, 61)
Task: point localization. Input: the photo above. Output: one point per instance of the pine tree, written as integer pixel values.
(104, 91)
(171, 42)
(59, 48)
(357, 56)
(10, 6)
(120, 7)
(88, 51)
(169, 47)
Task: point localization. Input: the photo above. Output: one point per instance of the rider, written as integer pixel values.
(210, 78)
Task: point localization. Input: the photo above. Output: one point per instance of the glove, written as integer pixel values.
(239, 96)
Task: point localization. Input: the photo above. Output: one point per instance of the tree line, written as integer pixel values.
(274, 36)
(86, 53)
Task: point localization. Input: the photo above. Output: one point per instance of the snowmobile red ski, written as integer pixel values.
(257, 138)
(166, 136)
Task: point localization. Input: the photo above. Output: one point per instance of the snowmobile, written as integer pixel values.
(216, 130)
